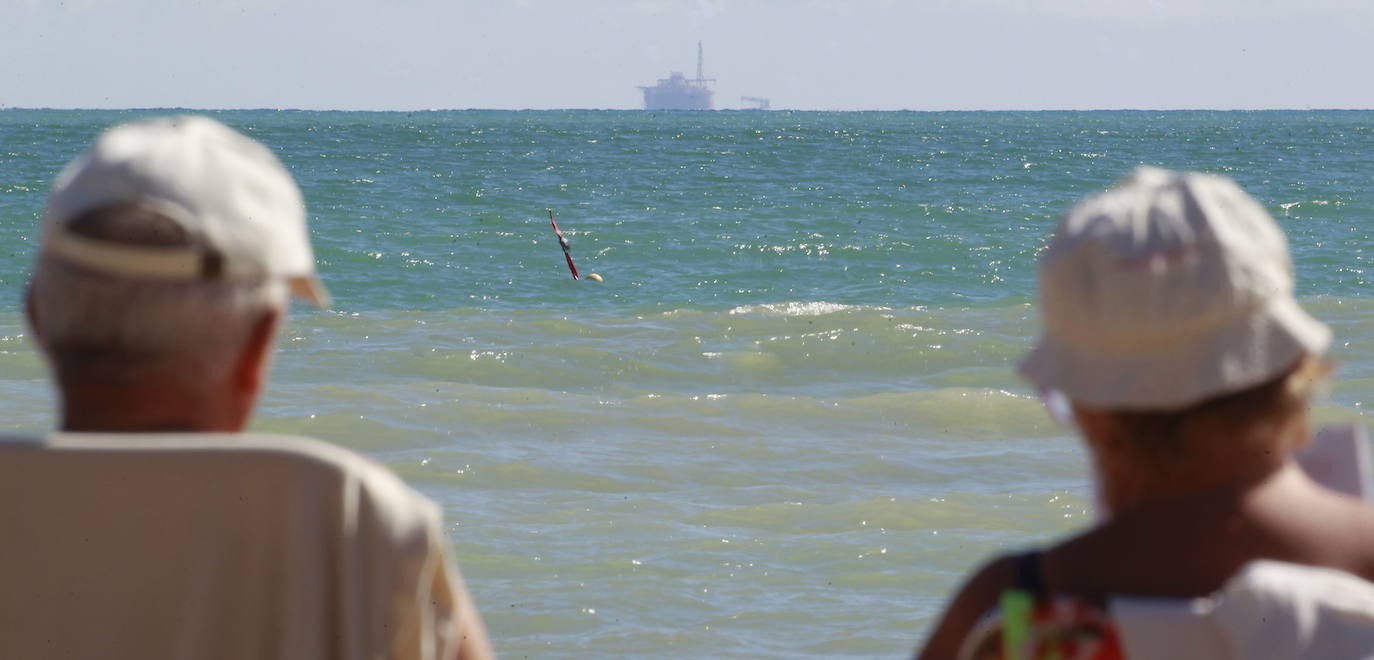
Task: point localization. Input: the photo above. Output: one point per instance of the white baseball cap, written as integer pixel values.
(1165, 291)
(242, 209)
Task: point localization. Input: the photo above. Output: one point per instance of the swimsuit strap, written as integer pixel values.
(1028, 577)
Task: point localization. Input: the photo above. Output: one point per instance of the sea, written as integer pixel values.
(787, 422)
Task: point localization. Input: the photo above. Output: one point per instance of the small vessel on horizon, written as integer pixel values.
(677, 92)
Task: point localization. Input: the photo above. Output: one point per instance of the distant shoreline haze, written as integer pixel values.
(638, 110)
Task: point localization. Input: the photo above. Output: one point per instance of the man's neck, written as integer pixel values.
(147, 410)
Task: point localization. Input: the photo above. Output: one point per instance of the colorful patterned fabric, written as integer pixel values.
(1054, 628)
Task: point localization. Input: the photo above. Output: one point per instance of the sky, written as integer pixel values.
(801, 54)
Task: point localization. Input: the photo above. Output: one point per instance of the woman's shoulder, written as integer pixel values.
(975, 598)
(1191, 546)
(1321, 528)
(1159, 552)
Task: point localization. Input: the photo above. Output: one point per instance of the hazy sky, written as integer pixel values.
(809, 54)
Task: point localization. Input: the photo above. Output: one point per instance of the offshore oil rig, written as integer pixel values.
(677, 92)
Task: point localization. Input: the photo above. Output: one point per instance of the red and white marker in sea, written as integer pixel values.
(567, 252)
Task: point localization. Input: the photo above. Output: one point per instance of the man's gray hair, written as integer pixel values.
(96, 326)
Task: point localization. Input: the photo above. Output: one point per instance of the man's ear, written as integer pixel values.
(251, 370)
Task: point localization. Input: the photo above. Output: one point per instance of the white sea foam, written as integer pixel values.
(818, 308)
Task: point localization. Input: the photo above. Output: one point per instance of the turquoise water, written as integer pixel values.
(787, 422)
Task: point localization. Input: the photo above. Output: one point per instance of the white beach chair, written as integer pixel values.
(1338, 458)
(1269, 610)
(217, 546)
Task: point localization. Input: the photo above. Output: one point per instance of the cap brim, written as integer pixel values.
(310, 289)
(1244, 352)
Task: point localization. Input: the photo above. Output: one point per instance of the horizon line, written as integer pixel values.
(742, 110)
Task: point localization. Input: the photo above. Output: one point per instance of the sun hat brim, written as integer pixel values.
(1245, 351)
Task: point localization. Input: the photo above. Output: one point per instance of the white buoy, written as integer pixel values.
(594, 277)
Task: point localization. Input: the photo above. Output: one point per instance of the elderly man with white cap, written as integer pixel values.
(1173, 341)
(150, 526)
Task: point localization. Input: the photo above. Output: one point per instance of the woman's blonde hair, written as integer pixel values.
(1252, 417)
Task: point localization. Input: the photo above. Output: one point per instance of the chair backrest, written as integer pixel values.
(1268, 610)
(1338, 458)
(214, 546)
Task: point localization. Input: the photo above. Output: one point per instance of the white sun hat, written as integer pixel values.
(241, 208)
(1164, 291)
